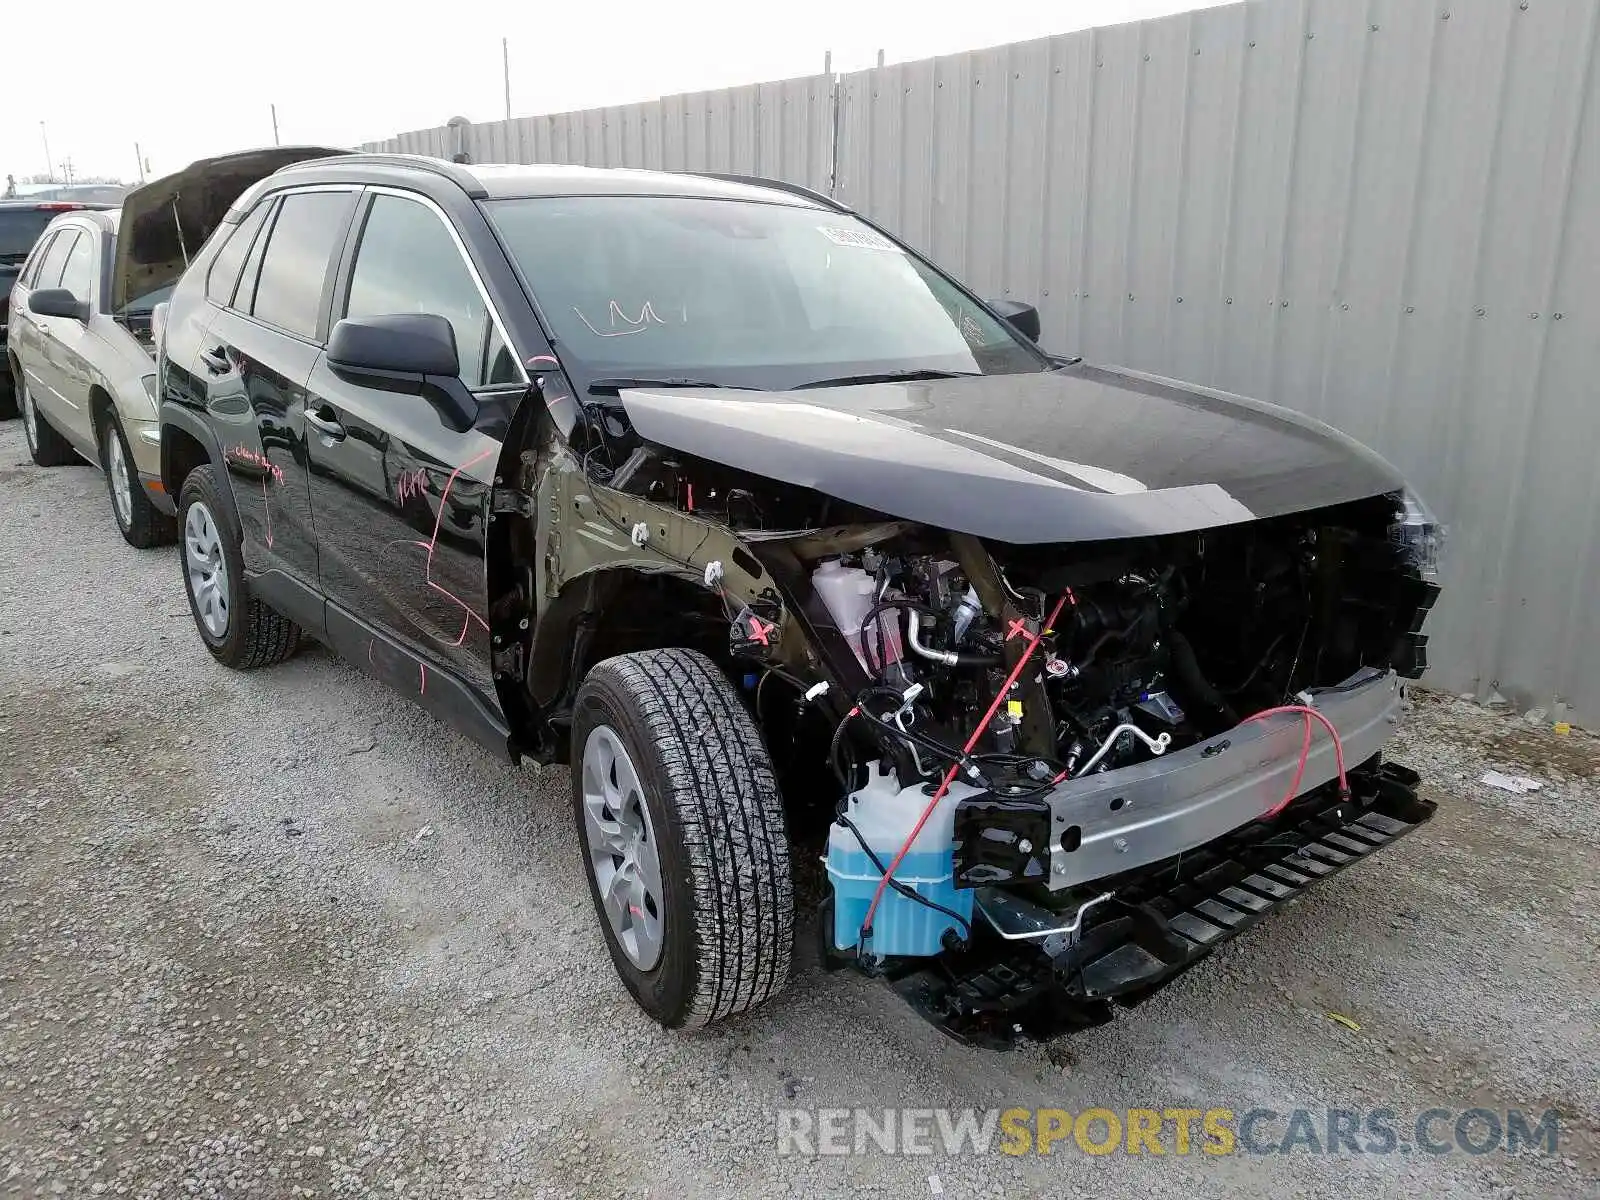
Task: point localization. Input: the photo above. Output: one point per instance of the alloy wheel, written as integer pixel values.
(117, 472)
(30, 419)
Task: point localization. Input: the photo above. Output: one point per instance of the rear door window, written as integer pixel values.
(55, 258)
(294, 267)
(77, 275)
(224, 274)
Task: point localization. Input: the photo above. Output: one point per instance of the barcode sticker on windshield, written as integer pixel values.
(860, 239)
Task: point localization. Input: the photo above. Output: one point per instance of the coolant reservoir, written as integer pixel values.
(847, 592)
(885, 814)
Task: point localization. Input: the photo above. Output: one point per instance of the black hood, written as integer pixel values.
(1078, 454)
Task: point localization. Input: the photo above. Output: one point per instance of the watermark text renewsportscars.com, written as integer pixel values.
(1168, 1130)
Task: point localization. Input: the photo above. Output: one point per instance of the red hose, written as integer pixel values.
(1307, 714)
(949, 776)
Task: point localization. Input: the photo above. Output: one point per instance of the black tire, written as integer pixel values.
(9, 393)
(47, 447)
(254, 634)
(728, 929)
(146, 525)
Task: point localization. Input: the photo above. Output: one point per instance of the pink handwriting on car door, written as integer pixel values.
(244, 456)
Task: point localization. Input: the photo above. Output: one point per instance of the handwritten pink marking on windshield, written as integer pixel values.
(266, 509)
(423, 689)
(614, 313)
(543, 358)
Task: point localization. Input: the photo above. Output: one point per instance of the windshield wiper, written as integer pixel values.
(618, 382)
(888, 377)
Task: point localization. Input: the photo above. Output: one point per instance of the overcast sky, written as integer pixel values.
(189, 78)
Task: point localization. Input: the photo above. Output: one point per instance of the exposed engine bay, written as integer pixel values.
(1157, 646)
(1010, 690)
(1056, 773)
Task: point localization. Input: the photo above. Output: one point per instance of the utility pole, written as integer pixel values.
(66, 168)
(274, 108)
(49, 167)
(880, 58)
(138, 159)
(505, 67)
(827, 62)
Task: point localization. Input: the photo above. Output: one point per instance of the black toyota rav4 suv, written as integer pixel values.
(777, 533)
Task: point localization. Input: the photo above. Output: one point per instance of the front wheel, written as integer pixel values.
(683, 836)
(239, 630)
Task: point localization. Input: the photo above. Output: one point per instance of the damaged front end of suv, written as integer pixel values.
(1084, 671)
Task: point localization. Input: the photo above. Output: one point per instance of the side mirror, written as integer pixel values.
(413, 353)
(57, 302)
(1020, 315)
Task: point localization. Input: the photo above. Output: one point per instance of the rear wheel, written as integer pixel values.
(10, 391)
(47, 447)
(141, 523)
(239, 630)
(683, 837)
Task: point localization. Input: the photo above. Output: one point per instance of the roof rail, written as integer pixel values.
(456, 173)
(777, 184)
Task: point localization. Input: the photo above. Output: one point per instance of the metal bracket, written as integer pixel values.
(510, 500)
(1017, 920)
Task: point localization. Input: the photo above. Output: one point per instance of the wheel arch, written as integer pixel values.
(100, 406)
(186, 443)
(610, 611)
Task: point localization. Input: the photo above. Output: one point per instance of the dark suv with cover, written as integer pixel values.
(777, 534)
(22, 222)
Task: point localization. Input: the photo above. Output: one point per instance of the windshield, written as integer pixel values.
(143, 306)
(735, 292)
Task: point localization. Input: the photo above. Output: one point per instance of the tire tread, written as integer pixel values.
(724, 795)
(258, 634)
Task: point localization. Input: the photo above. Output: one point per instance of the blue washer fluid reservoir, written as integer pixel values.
(885, 814)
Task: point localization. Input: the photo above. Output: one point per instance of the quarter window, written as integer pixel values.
(294, 268)
(77, 276)
(407, 262)
(224, 273)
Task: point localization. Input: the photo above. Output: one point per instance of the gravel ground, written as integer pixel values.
(281, 934)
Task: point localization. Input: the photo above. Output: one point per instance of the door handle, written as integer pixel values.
(216, 361)
(326, 426)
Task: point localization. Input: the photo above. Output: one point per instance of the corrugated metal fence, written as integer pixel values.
(781, 130)
(1385, 213)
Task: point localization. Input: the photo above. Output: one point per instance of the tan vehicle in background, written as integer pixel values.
(84, 373)
(85, 323)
